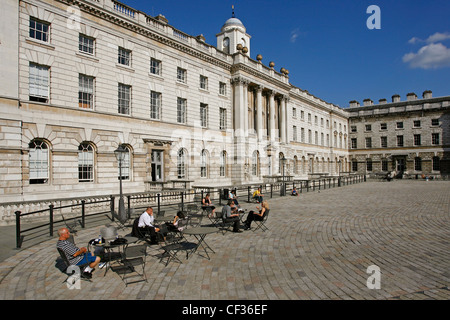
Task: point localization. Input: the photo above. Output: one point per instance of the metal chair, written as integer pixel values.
(261, 224)
(172, 244)
(67, 265)
(134, 256)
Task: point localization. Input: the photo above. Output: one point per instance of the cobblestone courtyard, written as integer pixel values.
(318, 246)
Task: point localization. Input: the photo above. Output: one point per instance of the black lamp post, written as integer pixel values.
(120, 156)
(283, 190)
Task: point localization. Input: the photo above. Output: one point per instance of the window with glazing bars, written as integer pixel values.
(124, 96)
(155, 105)
(85, 44)
(39, 30)
(85, 91)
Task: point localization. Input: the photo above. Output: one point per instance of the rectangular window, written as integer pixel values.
(203, 115)
(204, 82)
(384, 165)
(434, 122)
(383, 141)
(417, 139)
(181, 110)
(435, 138)
(399, 141)
(85, 91)
(39, 30)
(400, 125)
(155, 66)
(294, 112)
(418, 164)
(181, 75)
(368, 142)
(155, 105)
(354, 165)
(85, 44)
(223, 119)
(39, 83)
(222, 88)
(302, 134)
(368, 127)
(369, 166)
(353, 128)
(294, 133)
(124, 57)
(416, 123)
(383, 126)
(354, 143)
(124, 98)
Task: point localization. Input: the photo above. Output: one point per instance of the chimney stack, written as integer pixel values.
(427, 94)
(396, 98)
(354, 104)
(411, 96)
(367, 102)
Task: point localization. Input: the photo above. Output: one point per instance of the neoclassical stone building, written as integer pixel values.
(410, 137)
(82, 77)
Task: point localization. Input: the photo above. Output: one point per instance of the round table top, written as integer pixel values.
(200, 230)
(108, 244)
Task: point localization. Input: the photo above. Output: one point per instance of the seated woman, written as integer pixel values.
(206, 203)
(173, 226)
(258, 216)
(232, 197)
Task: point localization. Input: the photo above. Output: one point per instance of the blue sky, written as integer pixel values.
(326, 44)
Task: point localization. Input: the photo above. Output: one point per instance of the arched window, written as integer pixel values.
(280, 162)
(255, 163)
(223, 163)
(125, 164)
(85, 162)
(181, 164)
(38, 161)
(204, 164)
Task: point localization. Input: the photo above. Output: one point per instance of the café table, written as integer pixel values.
(108, 246)
(200, 234)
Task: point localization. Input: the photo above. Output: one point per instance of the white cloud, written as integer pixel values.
(294, 35)
(431, 56)
(437, 37)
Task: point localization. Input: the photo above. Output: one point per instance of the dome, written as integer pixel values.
(233, 23)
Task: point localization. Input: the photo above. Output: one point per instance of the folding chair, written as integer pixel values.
(67, 265)
(133, 257)
(171, 244)
(261, 224)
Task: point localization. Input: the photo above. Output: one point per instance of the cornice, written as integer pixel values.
(147, 32)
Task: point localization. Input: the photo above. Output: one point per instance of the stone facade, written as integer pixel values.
(411, 137)
(80, 78)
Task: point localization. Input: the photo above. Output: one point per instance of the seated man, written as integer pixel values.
(229, 215)
(146, 225)
(75, 255)
(258, 196)
(294, 192)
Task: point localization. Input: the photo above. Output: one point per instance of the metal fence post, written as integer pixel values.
(83, 212)
(112, 208)
(51, 220)
(18, 237)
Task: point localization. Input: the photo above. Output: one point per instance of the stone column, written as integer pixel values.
(259, 124)
(283, 120)
(272, 116)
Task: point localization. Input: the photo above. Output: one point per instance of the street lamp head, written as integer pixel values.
(120, 153)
